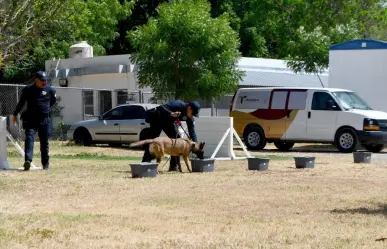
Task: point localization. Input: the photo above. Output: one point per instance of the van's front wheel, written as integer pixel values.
(254, 138)
(283, 146)
(346, 140)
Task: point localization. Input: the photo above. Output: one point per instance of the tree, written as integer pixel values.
(186, 54)
(94, 21)
(20, 22)
(301, 30)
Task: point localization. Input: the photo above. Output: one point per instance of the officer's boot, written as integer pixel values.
(174, 163)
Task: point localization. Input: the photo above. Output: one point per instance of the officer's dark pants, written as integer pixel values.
(156, 126)
(43, 127)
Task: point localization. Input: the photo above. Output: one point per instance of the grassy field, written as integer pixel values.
(89, 200)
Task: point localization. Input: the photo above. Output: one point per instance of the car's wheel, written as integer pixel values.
(254, 138)
(375, 148)
(283, 146)
(82, 137)
(346, 140)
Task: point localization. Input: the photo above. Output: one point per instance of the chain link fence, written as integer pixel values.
(77, 104)
(73, 105)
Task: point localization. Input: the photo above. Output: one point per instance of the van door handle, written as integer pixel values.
(116, 124)
(288, 115)
(309, 114)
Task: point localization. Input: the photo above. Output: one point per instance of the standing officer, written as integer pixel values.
(40, 98)
(163, 118)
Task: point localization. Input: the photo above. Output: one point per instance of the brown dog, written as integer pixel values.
(173, 147)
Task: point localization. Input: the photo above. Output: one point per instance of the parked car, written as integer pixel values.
(123, 124)
(307, 115)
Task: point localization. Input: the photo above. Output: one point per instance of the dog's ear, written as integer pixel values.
(192, 146)
(201, 146)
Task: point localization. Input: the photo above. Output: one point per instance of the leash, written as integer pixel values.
(178, 123)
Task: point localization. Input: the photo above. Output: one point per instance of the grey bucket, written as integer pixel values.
(304, 161)
(203, 165)
(144, 169)
(255, 163)
(362, 157)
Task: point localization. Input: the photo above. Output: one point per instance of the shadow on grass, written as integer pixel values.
(380, 210)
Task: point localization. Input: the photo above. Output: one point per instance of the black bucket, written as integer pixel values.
(304, 162)
(145, 169)
(260, 164)
(362, 157)
(203, 165)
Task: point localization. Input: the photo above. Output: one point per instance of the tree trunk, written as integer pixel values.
(178, 90)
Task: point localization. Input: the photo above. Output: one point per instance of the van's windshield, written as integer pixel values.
(351, 100)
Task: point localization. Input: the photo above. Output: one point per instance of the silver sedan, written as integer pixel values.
(123, 124)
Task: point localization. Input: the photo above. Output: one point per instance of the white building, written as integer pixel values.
(361, 66)
(105, 79)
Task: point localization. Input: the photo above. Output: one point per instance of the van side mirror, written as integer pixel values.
(331, 105)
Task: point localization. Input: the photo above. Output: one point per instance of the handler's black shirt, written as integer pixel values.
(178, 106)
(39, 102)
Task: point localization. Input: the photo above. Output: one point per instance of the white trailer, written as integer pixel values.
(361, 66)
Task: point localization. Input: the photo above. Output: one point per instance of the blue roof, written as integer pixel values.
(360, 44)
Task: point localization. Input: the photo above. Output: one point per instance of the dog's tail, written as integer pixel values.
(142, 142)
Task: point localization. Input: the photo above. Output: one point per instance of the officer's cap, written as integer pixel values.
(195, 106)
(41, 75)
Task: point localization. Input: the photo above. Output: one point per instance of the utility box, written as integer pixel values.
(3, 143)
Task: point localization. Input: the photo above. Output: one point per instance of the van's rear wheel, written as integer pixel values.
(375, 148)
(283, 146)
(254, 138)
(346, 140)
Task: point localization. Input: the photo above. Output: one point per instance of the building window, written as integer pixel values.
(88, 98)
(122, 97)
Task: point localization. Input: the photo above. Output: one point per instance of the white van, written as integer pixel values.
(307, 115)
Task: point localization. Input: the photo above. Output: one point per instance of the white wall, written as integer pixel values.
(362, 71)
(100, 81)
(71, 100)
(96, 62)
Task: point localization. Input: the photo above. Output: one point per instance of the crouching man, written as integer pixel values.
(163, 117)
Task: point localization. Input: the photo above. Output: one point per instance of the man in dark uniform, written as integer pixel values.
(163, 117)
(40, 98)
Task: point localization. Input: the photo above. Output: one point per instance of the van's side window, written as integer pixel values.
(297, 100)
(324, 102)
(279, 100)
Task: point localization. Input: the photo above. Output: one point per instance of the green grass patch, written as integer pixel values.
(79, 156)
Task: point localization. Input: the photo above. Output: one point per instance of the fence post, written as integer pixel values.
(83, 104)
(212, 107)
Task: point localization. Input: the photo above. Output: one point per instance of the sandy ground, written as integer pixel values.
(91, 203)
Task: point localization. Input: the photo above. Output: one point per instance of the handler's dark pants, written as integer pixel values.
(156, 126)
(43, 128)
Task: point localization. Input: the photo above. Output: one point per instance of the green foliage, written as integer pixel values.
(301, 30)
(186, 54)
(310, 50)
(94, 21)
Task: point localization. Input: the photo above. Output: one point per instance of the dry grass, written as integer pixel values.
(96, 204)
